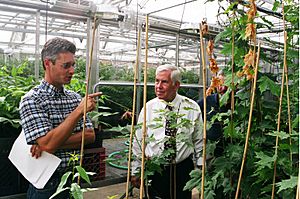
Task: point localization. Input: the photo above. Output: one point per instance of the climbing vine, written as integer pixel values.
(222, 174)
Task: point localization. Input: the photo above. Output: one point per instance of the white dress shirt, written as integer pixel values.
(193, 132)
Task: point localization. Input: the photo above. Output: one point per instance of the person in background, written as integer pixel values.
(52, 116)
(215, 132)
(167, 82)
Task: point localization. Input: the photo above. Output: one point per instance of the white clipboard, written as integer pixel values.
(36, 171)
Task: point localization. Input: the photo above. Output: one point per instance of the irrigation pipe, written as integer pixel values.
(249, 124)
(144, 105)
(86, 95)
(133, 112)
(204, 111)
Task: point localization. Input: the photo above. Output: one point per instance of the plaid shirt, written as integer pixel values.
(43, 109)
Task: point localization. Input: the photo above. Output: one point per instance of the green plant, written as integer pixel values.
(155, 163)
(75, 190)
(14, 84)
(221, 178)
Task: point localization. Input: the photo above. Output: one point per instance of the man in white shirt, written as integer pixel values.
(175, 171)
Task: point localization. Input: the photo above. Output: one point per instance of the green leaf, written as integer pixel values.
(295, 122)
(267, 84)
(112, 197)
(76, 191)
(58, 192)
(287, 184)
(104, 107)
(223, 35)
(88, 173)
(64, 180)
(264, 160)
(14, 72)
(194, 181)
(103, 114)
(282, 135)
(224, 99)
(83, 174)
(14, 122)
(226, 49)
(276, 5)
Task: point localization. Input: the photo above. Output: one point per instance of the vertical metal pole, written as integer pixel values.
(37, 46)
(95, 63)
(177, 51)
(88, 43)
(139, 88)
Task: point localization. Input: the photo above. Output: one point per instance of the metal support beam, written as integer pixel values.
(37, 47)
(177, 51)
(95, 61)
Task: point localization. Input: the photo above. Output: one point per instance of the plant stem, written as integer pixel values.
(204, 111)
(249, 124)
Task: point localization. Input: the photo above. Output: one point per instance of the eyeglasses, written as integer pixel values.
(68, 65)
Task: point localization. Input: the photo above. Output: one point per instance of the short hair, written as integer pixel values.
(175, 73)
(55, 46)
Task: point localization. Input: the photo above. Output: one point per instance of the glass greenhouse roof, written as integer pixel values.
(25, 23)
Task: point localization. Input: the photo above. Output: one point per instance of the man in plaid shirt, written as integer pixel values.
(52, 116)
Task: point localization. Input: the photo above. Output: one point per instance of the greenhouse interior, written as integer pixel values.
(233, 64)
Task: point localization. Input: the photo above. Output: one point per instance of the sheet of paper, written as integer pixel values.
(36, 171)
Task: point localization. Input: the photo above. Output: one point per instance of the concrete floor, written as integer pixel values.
(116, 191)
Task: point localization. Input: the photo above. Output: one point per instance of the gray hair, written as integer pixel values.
(55, 46)
(175, 73)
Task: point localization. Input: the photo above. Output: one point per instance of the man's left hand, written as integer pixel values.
(36, 151)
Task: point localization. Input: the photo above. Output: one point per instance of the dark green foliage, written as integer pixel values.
(222, 174)
(14, 84)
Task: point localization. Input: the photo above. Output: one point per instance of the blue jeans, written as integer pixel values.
(48, 190)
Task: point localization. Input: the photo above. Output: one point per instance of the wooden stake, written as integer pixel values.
(249, 124)
(232, 81)
(298, 185)
(86, 95)
(144, 105)
(287, 81)
(284, 78)
(204, 111)
(133, 111)
(278, 129)
(232, 90)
